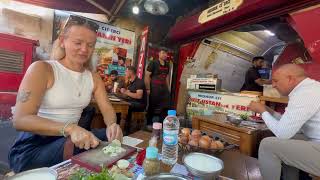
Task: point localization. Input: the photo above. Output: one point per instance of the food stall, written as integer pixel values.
(208, 44)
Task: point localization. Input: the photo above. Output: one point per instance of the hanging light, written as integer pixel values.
(269, 32)
(135, 9)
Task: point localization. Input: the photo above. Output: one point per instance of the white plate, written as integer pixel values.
(41, 174)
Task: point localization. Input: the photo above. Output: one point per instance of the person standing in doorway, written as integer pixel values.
(157, 86)
(253, 80)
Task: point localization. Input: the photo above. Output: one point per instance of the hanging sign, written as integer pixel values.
(142, 52)
(220, 9)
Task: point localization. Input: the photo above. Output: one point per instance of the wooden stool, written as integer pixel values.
(137, 121)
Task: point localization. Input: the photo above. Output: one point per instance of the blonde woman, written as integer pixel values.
(51, 98)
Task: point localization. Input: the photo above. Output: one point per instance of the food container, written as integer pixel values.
(168, 176)
(236, 120)
(203, 165)
(187, 148)
(40, 173)
(269, 91)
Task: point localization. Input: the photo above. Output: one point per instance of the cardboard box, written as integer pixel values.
(213, 84)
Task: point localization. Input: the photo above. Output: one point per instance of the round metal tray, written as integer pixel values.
(168, 176)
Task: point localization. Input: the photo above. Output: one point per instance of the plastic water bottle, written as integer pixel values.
(170, 138)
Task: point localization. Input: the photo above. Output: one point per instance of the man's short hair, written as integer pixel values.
(132, 68)
(163, 49)
(114, 72)
(257, 58)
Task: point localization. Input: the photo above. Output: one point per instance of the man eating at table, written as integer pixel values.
(301, 115)
(135, 93)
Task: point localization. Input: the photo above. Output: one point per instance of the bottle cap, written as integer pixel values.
(152, 153)
(172, 112)
(157, 125)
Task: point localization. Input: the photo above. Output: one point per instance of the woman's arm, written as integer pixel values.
(31, 91)
(106, 109)
(100, 95)
(39, 78)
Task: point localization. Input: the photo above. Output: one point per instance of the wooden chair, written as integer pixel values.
(137, 121)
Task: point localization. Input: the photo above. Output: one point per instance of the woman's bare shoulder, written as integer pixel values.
(42, 69)
(40, 66)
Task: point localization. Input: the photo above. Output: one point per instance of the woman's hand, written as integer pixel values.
(114, 132)
(82, 138)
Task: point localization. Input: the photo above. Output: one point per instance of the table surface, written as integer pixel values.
(236, 165)
(283, 100)
(121, 102)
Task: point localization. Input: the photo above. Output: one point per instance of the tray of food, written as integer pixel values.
(193, 140)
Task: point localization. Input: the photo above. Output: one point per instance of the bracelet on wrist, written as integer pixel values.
(111, 124)
(62, 131)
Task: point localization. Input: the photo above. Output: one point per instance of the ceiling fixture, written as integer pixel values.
(269, 32)
(156, 7)
(135, 9)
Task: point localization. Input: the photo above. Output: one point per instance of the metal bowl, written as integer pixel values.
(51, 174)
(236, 120)
(168, 176)
(196, 169)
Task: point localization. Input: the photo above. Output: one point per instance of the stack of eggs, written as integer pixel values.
(196, 139)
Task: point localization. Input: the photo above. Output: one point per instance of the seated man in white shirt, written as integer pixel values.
(301, 115)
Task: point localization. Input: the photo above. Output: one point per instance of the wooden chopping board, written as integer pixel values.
(95, 158)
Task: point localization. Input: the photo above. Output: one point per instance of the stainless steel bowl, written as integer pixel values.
(168, 176)
(234, 119)
(203, 174)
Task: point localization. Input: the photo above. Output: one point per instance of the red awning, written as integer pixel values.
(108, 7)
(250, 11)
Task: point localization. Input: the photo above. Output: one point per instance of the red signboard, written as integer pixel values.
(142, 52)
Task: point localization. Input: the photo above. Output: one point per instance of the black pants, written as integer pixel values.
(159, 103)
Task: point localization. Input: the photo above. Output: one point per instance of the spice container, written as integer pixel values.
(156, 130)
(151, 164)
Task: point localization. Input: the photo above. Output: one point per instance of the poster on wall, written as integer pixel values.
(59, 20)
(114, 47)
(202, 103)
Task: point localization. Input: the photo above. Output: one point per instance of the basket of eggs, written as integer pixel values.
(197, 141)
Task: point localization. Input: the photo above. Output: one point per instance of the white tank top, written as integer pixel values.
(69, 95)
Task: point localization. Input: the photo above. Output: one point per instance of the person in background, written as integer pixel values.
(302, 115)
(253, 80)
(158, 88)
(115, 55)
(121, 61)
(135, 93)
(113, 77)
(51, 98)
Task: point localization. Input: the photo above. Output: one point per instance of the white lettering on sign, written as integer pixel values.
(219, 9)
(227, 103)
(142, 49)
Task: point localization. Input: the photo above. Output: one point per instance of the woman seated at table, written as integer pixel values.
(52, 96)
